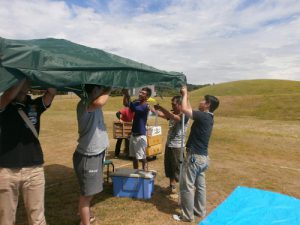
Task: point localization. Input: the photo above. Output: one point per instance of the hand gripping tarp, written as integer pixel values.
(65, 65)
(250, 206)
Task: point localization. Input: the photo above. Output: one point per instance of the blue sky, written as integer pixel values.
(211, 41)
(129, 6)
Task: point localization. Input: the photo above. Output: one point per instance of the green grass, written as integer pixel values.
(255, 143)
(251, 87)
(264, 99)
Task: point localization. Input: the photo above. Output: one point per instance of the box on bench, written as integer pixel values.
(154, 130)
(133, 183)
(122, 130)
(154, 145)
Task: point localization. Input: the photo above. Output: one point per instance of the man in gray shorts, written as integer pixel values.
(173, 144)
(92, 143)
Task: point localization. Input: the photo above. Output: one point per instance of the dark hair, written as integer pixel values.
(90, 87)
(213, 101)
(118, 114)
(148, 90)
(177, 99)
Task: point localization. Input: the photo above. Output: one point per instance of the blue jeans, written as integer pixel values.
(193, 187)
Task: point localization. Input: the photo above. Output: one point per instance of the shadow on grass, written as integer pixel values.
(162, 201)
(61, 197)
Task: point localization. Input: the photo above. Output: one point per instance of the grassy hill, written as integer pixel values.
(252, 87)
(265, 99)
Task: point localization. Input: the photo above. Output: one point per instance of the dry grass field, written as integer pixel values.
(245, 150)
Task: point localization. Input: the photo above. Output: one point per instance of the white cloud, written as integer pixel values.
(210, 41)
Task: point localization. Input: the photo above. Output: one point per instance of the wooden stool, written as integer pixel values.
(107, 163)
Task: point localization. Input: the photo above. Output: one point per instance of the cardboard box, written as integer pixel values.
(154, 130)
(133, 183)
(154, 140)
(122, 130)
(154, 150)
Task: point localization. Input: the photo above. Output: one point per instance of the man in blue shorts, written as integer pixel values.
(138, 139)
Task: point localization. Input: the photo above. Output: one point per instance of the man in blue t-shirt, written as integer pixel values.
(138, 139)
(192, 182)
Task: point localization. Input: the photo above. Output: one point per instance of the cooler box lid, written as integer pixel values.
(125, 172)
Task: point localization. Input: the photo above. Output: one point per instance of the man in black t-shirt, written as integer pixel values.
(21, 156)
(192, 182)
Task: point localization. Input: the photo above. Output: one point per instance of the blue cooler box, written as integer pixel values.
(133, 183)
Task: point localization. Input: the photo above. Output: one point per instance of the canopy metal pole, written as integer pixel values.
(156, 116)
(181, 154)
(182, 139)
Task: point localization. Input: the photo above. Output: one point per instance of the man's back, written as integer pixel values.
(200, 132)
(18, 145)
(93, 137)
(127, 114)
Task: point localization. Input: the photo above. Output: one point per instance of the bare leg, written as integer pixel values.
(84, 209)
(172, 181)
(145, 165)
(173, 187)
(135, 164)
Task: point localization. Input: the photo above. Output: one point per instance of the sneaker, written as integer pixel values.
(179, 218)
(92, 218)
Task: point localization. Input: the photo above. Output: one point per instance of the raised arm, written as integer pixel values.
(49, 96)
(10, 94)
(126, 97)
(186, 107)
(155, 111)
(100, 101)
(166, 114)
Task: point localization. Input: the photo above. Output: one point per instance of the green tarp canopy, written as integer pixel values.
(67, 66)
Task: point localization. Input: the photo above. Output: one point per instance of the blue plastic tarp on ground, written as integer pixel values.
(250, 206)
